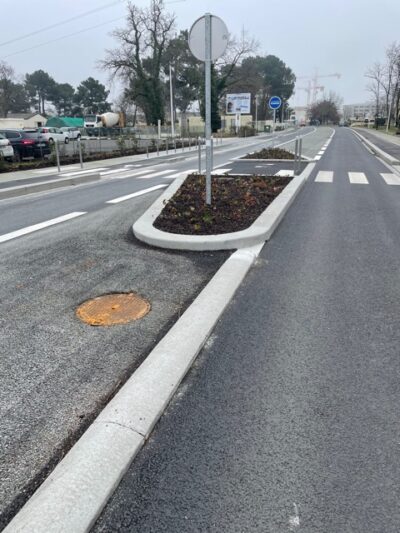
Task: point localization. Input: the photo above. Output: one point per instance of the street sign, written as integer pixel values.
(208, 39)
(219, 38)
(275, 102)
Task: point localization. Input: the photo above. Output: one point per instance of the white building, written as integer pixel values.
(359, 111)
(22, 120)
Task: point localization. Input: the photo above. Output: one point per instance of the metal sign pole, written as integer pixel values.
(57, 156)
(199, 150)
(80, 152)
(208, 105)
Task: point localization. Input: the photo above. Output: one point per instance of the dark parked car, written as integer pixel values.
(26, 143)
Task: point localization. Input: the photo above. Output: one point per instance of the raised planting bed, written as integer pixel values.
(270, 153)
(236, 203)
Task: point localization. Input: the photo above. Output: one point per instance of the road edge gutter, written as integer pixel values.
(260, 231)
(376, 150)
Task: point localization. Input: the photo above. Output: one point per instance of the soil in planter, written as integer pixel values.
(236, 203)
(270, 153)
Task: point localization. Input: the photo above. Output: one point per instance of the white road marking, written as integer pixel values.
(265, 165)
(135, 194)
(220, 171)
(128, 173)
(317, 157)
(113, 171)
(180, 174)
(285, 173)
(84, 172)
(324, 176)
(321, 152)
(37, 227)
(358, 178)
(391, 179)
(294, 521)
(155, 174)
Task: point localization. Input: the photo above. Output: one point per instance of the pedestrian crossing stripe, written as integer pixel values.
(356, 178)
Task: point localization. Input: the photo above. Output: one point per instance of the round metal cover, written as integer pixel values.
(219, 38)
(113, 309)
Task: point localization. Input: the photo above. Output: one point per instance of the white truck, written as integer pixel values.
(105, 120)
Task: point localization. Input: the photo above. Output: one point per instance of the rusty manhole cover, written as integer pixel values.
(112, 309)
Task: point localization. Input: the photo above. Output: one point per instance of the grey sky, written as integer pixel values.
(344, 36)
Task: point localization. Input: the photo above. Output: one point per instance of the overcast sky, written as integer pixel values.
(333, 36)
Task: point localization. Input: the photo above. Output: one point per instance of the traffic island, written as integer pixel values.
(245, 216)
(237, 201)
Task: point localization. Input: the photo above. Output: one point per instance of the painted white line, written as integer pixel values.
(317, 157)
(324, 176)
(358, 178)
(180, 174)
(84, 172)
(135, 194)
(156, 174)
(220, 171)
(391, 179)
(114, 171)
(265, 165)
(321, 152)
(129, 173)
(285, 173)
(41, 225)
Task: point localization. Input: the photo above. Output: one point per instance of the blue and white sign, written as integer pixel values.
(275, 102)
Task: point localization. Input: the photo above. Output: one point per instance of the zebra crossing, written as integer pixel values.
(356, 178)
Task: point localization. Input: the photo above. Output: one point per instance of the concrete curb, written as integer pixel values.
(21, 190)
(260, 231)
(75, 493)
(376, 150)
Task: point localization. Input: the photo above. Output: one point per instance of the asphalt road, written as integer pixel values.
(55, 372)
(289, 419)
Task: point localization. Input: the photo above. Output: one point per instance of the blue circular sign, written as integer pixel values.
(275, 102)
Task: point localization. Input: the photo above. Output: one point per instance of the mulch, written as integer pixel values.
(270, 153)
(236, 203)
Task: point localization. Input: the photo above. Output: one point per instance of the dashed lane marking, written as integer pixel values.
(358, 178)
(135, 194)
(41, 225)
(324, 176)
(391, 179)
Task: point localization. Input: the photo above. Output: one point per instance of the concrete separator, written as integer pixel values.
(75, 493)
(20, 190)
(260, 231)
(376, 150)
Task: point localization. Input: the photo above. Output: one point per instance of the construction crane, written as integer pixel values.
(313, 85)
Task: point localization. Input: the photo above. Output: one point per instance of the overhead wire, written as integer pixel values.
(62, 22)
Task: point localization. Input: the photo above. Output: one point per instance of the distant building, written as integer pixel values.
(299, 115)
(359, 111)
(23, 120)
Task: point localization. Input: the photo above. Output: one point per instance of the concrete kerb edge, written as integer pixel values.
(258, 232)
(21, 190)
(75, 493)
(377, 151)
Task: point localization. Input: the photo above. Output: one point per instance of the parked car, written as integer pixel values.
(73, 133)
(6, 149)
(27, 143)
(54, 134)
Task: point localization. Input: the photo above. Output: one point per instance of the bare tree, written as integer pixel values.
(376, 74)
(138, 60)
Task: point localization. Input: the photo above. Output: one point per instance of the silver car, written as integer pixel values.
(6, 150)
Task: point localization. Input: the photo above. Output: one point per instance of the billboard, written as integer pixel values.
(238, 103)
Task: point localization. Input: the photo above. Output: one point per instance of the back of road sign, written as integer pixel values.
(219, 38)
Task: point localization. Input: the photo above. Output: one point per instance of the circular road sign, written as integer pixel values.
(275, 102)
(219, 38)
